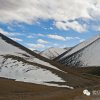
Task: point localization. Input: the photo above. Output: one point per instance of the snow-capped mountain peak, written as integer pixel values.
(52, 52)
(82, 45)
(86, 53)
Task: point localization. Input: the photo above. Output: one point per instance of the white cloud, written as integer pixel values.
(39, 34)
(34, 35)
(69, 38)
(71, 25)
(66, 38)
(94, 11)
(28, 11)
(57, 37)
(6, 33)
(9, 33)
(51, 28)
(77, 38)
(81, 40)
(61, 25)
(17, 39)
(30, 36)
(42, 41)
(96, 28)
(35, 46)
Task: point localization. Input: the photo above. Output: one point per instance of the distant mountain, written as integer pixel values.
(84, 54)
(52, 52)
(36, 51)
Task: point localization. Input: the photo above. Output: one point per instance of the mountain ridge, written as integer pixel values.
(77, 49)
(52, 52)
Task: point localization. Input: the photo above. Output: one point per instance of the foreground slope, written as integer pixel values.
(21, 64)
(11, 90)
(85, 54)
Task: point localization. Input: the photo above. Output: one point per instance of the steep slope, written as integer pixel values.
(85, 54)
(21, 64)
(52, 53)
(10, 47)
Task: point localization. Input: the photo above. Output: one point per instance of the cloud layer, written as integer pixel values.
(57, 37)
(42, 41)
(73, 25)
(29, 11)
(35, 46)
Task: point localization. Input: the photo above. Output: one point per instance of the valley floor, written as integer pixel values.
(12, 90)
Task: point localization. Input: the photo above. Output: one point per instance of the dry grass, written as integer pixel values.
(11, 90)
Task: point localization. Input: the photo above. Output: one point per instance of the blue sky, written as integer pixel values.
(39, 25)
